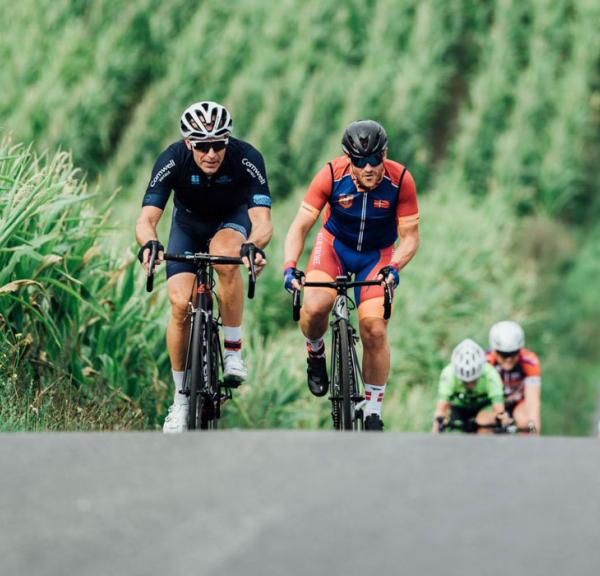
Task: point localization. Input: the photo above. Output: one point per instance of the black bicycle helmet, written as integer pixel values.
(364, 138)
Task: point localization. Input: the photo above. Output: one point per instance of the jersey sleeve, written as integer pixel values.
(407, 211)
(255, 177)
(162, 181)
(494, 385)
(319, 191)
(445, 384)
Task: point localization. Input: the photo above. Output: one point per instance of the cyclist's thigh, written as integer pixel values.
(370, 298)
(188, 235)
(233, 230)
(324, 265)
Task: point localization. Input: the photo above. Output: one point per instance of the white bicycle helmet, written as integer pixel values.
(506, 336)
(206, 120)
(468, 360)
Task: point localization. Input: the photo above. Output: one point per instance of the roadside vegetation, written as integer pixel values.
(494, 107)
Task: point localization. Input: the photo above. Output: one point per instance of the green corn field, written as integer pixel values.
(493, 105)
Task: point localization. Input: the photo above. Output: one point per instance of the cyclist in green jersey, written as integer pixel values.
(467, 388)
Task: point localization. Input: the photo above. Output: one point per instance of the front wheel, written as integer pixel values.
(345, 377)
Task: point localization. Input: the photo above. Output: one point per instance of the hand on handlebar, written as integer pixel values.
(145, 252)
(504, 419)
(390, 275)
(260, 260)
(293, 279)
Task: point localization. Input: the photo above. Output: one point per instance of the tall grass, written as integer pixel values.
(75, 331)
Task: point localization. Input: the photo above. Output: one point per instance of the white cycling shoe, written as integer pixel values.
(235, 370)
(176, 420)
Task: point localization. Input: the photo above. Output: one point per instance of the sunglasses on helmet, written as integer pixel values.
(216, 145)
(510, 354)
(373, 160)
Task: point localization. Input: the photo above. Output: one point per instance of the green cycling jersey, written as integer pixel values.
(487, 389)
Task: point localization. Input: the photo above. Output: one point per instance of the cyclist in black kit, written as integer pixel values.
(222, 203)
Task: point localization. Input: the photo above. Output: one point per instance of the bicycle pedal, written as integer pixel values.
(231, 383)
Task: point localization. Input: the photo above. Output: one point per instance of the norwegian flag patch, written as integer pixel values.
(381, 203)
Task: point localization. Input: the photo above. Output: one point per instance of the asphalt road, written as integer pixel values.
(292, 503)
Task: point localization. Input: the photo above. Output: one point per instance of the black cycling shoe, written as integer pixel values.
(373, 422)
(318, 381)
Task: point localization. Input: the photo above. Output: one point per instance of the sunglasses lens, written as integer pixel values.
(508, 354)
(217, 146)
(373, 160)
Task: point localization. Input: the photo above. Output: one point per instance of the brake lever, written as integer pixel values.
(150, 277)
(296, 304)
(387, 301)
(251, 273)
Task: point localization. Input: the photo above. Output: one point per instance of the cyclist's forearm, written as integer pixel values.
(145, 228)
(294, 241)
(261, 234)
(409, 243)
(262, 226)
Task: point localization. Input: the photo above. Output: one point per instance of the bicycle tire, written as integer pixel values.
(195, 368)
(209, 415)
(345, 378)
(336, 393)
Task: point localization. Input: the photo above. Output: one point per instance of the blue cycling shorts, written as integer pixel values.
(189, 234)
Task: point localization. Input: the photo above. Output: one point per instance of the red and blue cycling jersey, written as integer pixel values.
(363, 220)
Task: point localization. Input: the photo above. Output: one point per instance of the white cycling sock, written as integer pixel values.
(179, 398)
(315, 345)
(232, 336)
(374, 398)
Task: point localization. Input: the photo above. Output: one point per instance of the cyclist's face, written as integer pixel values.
(209, 162)
(470, 385)
(369, 176)
(507, 362)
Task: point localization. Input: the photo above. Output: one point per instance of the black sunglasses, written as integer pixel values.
(508, 354)
(216, 145)
(373, 160)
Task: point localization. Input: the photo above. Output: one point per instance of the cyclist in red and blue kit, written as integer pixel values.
(368, 201)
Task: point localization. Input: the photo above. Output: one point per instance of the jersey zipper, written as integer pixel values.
(362, 223)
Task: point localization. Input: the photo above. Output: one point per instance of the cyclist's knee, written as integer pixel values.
(373, 332)
(227, 273)
(316, 309)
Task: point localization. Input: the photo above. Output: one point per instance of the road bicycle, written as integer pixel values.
(202, 381)
(347, 385)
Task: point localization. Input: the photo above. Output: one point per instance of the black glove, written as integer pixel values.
(249, 246)
(150, 245)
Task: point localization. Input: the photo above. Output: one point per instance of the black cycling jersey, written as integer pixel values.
(240, 181)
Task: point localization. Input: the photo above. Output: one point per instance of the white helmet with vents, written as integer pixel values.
(206, 120)
(507, 336)
(468, 360)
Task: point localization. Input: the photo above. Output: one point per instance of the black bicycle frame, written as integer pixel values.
(204, 354)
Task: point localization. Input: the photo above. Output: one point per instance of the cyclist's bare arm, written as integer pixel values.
(408, 231)
(145, 228)
(441, 410)
(262, 231)
(532, 404)
(299, 229)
